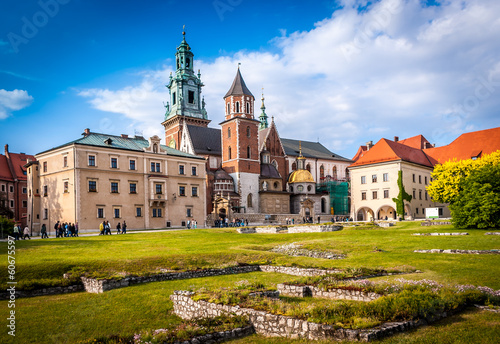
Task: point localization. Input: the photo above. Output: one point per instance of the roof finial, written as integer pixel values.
(300, 148)
(239, 64)
(184, 32)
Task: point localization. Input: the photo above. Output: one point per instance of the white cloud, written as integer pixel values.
(12, 101)
(399, 68)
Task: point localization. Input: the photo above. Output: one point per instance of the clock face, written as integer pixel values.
(171, 144)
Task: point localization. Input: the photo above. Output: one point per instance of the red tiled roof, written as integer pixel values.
(419, 142)
(18, 161)
(468, 145)
(4, 169)
(387, 150)
(361, 151)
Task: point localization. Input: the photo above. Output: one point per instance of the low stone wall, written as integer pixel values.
(271, 325)
(274, 229)
(492, 233)
(43, 291)
(294, 271)
(101, 285)
(385, 224)
(296, 250)
(337, 294)
(459, 251)
(430, 223)
(219, 337)
(438, 234)
(314, 229)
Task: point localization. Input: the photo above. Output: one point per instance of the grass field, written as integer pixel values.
(76, 317)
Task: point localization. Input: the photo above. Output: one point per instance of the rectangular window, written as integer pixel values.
(374, 194)
(91, 160)
(100, 213)
(363, 179)
(133, 188)
(191, 97)
(3, 188)
(416, 209)
(11, 188)
(414, 194)
(425, 179)
(426, 195)
(117, 213)
(92, 186)
(194, 191)
(25, 190)
(45, 214)
(158, 188)
(193, 170)
(66, 187)
(114, 163)
(152, 167)
(181, 169)
(182, 191)
(138, 211)
(114, 187)
(158, 167)
(374, 178)
(65, 161)
(363, 196)
(440, 211)
(45, 190)
(159, 213)
(132, 165)
(419, 194)
(420, 179)
(11, 203)
(25, 204)
(386, 193)
(154, 212)
(45, 166)
(413, 177)
(189, 212)
(386, 177)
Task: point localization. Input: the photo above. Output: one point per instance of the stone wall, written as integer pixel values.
(492, 233)
(218, 337)
(271, 325)
(438, 234)
(295, 271)
(431, 223)
(43, 291)
(291, 229)
(337, 294)
(459, 251)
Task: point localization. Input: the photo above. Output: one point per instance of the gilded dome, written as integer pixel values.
(301, 176)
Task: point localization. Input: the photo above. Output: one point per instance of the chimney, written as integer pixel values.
(86, 132)
(125, 136)
(6, 149)
(369, 145)
(396, 138)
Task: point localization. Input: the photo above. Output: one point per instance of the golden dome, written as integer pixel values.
(301, 176)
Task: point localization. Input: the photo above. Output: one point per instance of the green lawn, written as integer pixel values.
(74, 317)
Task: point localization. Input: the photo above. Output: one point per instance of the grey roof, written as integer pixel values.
(205, 140)
(269, 171)
(117, 142)
(238, 87)
(310, 150)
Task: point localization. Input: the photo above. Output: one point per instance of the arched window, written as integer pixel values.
(188, 62)
(291, 188)
(308, 167)
(229, 152)
(249, 201)
(228, 132)
(248, 131)
(309, 188)
(276, 185)
(248, 152)
(228, 109)
(155, 148)
(334, 172)
(323, 205)
(321, 172)
(173, 98)
(275, 163)
(237, 106)
(294, 166)
(248, 107)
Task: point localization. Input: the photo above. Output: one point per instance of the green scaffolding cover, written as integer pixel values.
(339, 194)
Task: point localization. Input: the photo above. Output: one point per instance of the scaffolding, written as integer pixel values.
(339, 196)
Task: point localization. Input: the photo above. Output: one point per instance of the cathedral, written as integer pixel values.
(250, 169)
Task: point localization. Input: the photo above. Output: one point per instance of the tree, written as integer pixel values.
(6, 226)
(478, 202)
(448, 178)
(402, 196)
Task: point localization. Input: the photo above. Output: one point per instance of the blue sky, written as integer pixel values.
(344, 72)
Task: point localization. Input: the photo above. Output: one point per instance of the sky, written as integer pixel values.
(341, 72)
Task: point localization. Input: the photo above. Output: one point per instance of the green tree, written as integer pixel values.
(478, 202)
(6, 226)
(402, 196)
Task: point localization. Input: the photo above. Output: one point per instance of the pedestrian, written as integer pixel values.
(101, 228)
(44, 231)
(76, 229)
(26, 233)
(56, 229)
(118, 227)
(124, 227)
(108, 228)
(16, 232)
(189, 224)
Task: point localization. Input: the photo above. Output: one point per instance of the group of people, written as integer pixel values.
(192, 224)
(224, 222)
(20, 234)
(63, 229)
(105, 228)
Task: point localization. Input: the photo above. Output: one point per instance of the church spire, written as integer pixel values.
(263, 115)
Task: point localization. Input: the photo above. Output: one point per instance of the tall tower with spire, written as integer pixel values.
(239, 143)
(186, 105)
(263, 115)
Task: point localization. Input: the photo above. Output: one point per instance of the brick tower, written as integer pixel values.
(186, 105)
(239, 139)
